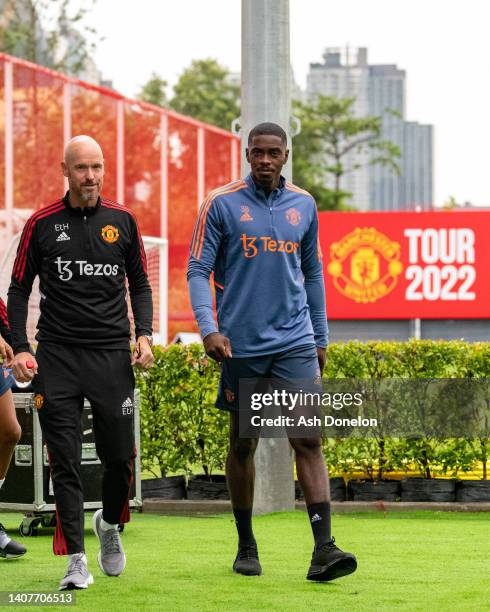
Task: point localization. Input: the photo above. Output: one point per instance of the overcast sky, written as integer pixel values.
(444, 46)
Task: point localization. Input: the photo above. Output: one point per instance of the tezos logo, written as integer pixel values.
(265, 244)
(65, 272)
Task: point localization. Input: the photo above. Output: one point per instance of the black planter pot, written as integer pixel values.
(473, 491)
(367, 490)
(337, 490)
(172, 487)
(204, 487)
(428, 489)
(298, 491)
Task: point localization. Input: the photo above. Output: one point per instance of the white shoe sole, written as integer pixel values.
(11, 556)
(99, 561)
(80, 585)
(99, 556)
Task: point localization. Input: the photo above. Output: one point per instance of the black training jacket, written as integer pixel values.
(82, 257)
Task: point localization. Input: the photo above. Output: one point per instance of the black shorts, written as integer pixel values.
(299, 363)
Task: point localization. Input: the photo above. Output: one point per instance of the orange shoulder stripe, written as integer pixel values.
(207, 206)
(319, 253)
(211, 194)
(197, 225)
(297, 189)
(200, 243)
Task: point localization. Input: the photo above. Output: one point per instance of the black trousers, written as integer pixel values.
(67, 375)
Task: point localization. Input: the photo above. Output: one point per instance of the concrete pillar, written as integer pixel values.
(266, 96)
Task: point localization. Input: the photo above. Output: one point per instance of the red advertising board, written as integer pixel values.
(403, 265)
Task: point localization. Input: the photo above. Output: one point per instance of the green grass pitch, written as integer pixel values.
(406, 561)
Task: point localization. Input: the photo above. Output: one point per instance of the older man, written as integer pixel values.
(83, 247)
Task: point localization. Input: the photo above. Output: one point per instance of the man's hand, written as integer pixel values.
(142, 354)
(24, 367)
(6, 352)
(217, 346)
(322, 357)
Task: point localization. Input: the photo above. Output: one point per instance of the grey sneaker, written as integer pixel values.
(111, 557)
(10, 549)
(77, 575)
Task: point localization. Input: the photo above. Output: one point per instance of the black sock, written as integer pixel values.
(320, 522)
(243, 521)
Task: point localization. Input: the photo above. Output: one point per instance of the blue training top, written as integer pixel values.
(6, 380)
(267, 265)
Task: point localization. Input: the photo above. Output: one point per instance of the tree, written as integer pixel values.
(204, 92)
(155, 91)
(329, 132)
(450, 203)
(48, 33)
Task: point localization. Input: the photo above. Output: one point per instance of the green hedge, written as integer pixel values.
(180, 428)
(181, 431)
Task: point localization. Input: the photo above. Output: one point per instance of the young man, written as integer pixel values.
(259, 236)
(9, 427)
(83, 247)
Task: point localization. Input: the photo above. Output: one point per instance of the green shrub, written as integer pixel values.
(180, 428)
(424, 359)
(179, 425)
(478, 366)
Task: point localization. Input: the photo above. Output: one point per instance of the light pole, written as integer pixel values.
(266, 96)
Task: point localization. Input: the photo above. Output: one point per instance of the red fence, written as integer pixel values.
(159, 163)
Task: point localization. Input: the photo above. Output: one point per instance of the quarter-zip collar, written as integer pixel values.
(257, 189)
(80, 212)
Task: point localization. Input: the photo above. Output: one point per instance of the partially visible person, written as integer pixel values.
(9, 427)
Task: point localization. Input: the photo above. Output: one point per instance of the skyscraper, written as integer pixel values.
(379, 90)
(344, 77)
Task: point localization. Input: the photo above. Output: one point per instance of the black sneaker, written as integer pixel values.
(247, 561)
(12, 549)
(329, 562)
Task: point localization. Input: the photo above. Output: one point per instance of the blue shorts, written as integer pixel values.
(298, 363)
(6, 380)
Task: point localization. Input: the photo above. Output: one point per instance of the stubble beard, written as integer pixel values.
(88, 196)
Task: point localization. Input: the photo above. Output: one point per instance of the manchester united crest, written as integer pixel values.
(38, 401)
(365, 265)
(293, 216)
(110, 233)
(230, 396)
